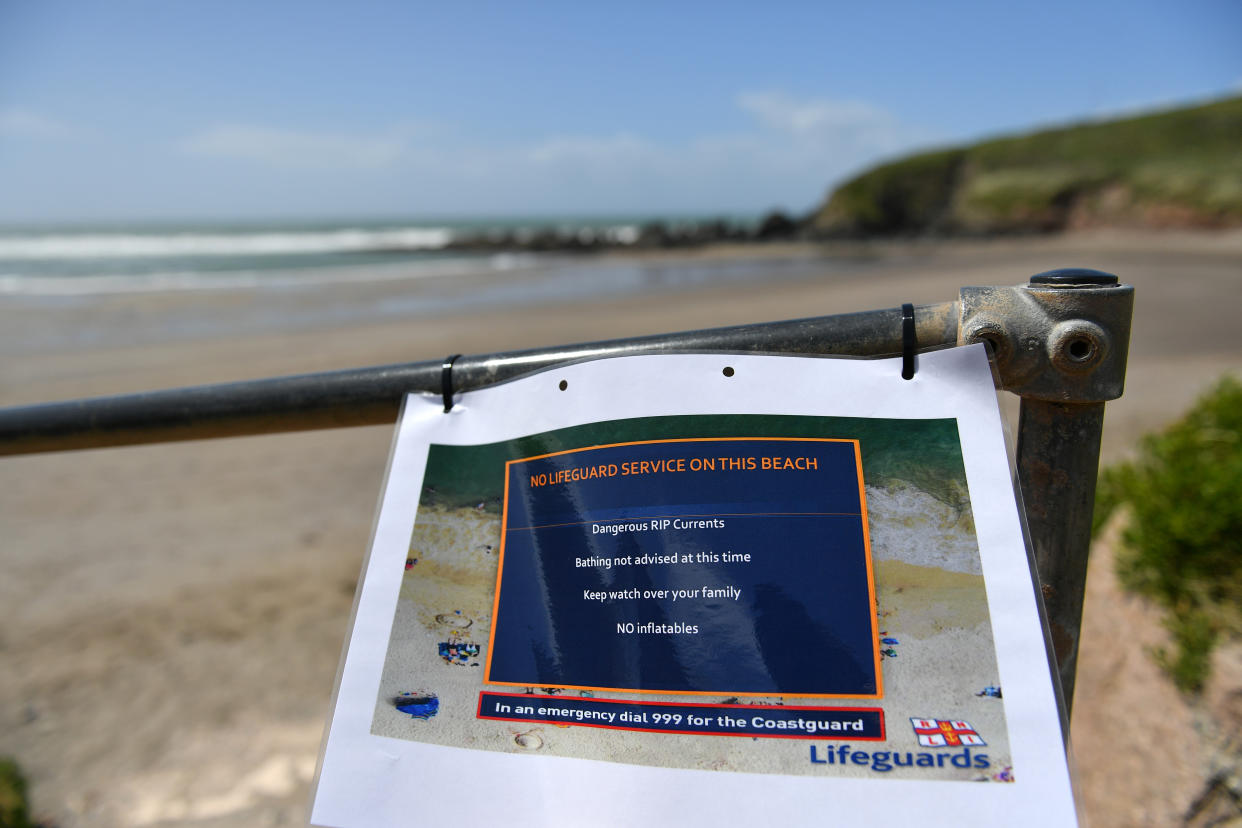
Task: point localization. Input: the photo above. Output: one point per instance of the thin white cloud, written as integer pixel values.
(848, 131)
(297, 150)
(780, 111)
(588, 148)
(818, 136)
(22, 123)
(789, 155)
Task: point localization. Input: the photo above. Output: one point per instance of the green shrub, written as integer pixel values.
(13, 809)
(1182, 545)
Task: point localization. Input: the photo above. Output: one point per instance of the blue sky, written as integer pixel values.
(133, 110)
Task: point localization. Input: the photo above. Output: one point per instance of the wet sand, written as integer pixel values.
(173, 614)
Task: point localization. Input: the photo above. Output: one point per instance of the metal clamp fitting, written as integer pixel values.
(1064, 337)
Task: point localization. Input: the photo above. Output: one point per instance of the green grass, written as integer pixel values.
(1182, 545)
(1182, 165)
(14, 811)
(911, 193)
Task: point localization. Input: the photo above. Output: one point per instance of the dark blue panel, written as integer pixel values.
(581, 605)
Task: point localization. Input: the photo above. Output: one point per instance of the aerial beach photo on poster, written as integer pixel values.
(930, 635)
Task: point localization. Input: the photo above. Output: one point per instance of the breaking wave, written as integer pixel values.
(909, 525)
(98, 284)
(141, 245)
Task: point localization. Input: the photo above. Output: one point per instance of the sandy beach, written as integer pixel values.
(173, 614)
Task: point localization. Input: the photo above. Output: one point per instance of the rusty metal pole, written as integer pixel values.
(1061, 343)
(1058, 459)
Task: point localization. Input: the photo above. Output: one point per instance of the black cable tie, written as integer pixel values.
(446, 381)
(909, 341)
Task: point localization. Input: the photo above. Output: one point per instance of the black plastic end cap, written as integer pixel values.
(1075, 276)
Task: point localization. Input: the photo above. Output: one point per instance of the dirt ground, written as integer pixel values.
(171, 616)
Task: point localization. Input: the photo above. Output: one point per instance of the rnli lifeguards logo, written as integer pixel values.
(946, 733)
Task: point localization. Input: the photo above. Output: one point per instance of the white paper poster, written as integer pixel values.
(700, 590)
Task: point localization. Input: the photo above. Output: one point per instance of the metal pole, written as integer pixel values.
(370, 396)
(1058, 460)
(1061, 343)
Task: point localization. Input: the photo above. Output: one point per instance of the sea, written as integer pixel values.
(86, 280)
(130, 257)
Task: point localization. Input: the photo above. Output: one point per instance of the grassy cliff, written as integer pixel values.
(1176, 168)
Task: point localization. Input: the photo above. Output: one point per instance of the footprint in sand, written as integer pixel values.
(529, 740)
(455, 620)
